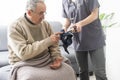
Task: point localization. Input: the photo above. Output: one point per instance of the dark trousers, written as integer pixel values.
(98, 60)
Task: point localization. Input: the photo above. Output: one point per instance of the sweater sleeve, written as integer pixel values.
(54, 49)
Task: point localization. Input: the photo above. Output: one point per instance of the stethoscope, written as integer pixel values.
(76, 6)
(73, 13)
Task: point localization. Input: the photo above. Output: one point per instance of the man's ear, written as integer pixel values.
(29, 12)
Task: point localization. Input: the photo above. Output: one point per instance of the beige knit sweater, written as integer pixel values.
(27, 41)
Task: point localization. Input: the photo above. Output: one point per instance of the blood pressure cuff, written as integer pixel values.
(66, 38)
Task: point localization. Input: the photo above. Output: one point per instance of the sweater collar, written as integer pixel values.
(28, 19)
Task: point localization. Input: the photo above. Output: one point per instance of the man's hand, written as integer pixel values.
(55, 37)
(56, 63)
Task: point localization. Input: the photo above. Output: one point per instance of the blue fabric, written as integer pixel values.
(3, 38)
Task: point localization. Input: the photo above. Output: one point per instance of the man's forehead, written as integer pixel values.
(41, 7)
(41, 4)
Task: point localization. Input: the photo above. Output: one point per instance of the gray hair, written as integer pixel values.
(31, 4)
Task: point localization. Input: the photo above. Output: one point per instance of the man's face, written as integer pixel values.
(38, 15)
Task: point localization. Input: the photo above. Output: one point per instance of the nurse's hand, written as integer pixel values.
(78, 27)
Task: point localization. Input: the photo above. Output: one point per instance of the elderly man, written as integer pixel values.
(33, 47)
